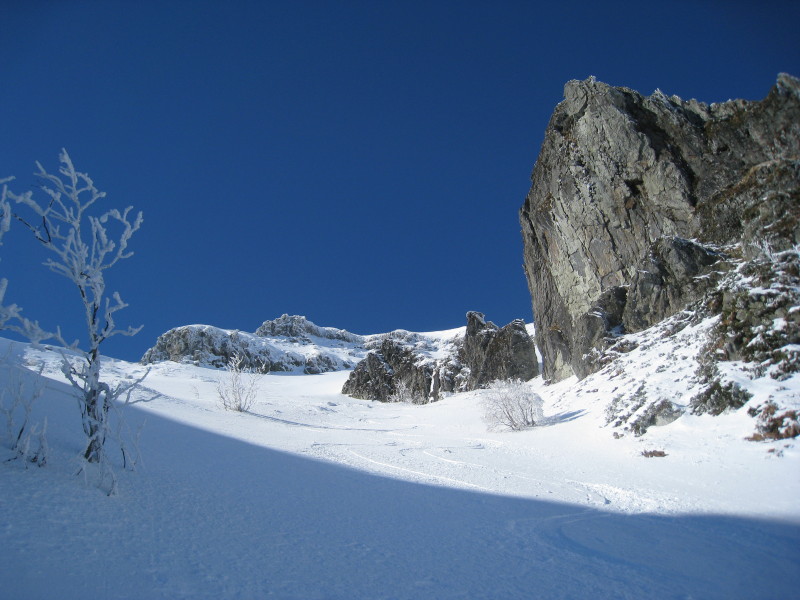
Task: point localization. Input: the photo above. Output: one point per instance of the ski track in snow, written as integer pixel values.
(447, 443)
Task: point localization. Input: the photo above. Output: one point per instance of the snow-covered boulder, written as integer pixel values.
(300, 328)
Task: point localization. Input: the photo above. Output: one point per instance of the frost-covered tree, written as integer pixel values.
(21, 389)
(83, 247)
(5, 207)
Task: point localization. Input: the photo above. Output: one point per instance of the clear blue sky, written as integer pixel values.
(361, 163)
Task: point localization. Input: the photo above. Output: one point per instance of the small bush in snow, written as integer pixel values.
(719, 397)
(654, 453)
(26, 439)
(774, 423)
(511, 405)
(237, 389)
(404, 393)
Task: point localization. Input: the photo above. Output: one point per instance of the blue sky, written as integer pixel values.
(361, 163)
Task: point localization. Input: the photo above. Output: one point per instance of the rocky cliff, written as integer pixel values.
(400, 365)
(419, 368)
(639, 206)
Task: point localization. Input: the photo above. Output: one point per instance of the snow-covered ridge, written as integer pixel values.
(290, 343)
(430, 345)
(299, 327)
(422, 368)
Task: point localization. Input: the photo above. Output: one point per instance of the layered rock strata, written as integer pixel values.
(638, 203)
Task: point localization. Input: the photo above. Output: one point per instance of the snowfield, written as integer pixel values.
(317, 495)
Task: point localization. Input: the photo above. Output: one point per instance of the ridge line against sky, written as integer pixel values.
(359, 163)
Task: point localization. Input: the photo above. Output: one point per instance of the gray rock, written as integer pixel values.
(599, 327)
(209, 346)
(400, 365)
(300, 328)
(621, 185)
(397, 372)
(674, 273)
(491, 353)
(371, 379)
(479, 334)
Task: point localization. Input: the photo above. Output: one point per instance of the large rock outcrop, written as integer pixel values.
(414, 367)
(418, 368)
(637, 203)
(489, 352)
(288, 343)
(396, 370)
(299, 328)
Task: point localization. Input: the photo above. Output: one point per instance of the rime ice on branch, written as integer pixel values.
(83, 249)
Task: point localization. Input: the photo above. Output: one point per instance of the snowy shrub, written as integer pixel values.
(654, 453)
(512, 405)
(623, 406)
(719, 397)
(658, 413)
(402, 392)
(26, 439)
(237, 389)
(638, 412)
(772, 424)
(759, 319)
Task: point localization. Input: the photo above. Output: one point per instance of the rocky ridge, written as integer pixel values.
(289, 343)
(641, 206)
(419, 368)
(670, 230)
(399, 365)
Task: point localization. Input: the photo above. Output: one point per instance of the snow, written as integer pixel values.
(210, 346)
(317, 495)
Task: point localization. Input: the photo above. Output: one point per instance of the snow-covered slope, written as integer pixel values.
(317, 495)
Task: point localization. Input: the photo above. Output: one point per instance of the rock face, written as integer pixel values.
(372, 379)
(402, 366)
(289, 343)
(401, 372)
(299, 328)
(490, 353)
(638, 203)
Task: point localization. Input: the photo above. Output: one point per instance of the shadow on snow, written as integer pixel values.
(213, 517)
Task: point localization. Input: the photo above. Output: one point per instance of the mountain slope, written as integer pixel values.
(318, 495)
